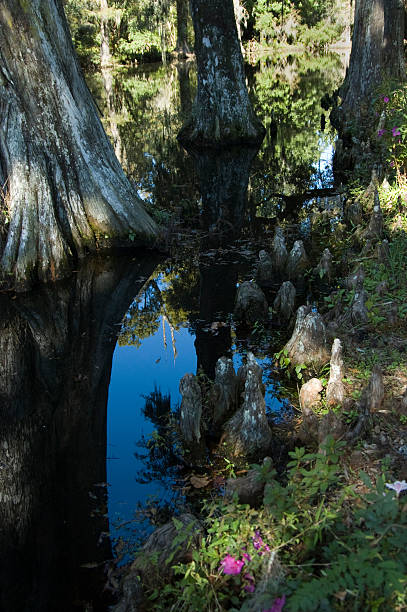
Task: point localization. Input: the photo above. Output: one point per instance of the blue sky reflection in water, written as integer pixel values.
(135, 372)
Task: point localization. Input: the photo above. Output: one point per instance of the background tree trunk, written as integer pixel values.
(182, 28)
(105, 54)
(222, 113)
(63, 188)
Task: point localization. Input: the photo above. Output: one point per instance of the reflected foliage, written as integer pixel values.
(161, 456)
(170, 297)
(288, 94)
(149, 106)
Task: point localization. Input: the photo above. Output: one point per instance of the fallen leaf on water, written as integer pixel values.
(199, 481)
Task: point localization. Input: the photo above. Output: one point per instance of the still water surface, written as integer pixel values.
(84, 355)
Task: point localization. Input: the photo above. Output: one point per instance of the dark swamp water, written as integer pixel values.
(91, 367)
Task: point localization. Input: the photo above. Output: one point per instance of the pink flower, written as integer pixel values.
(398, 486)
(247, 557)
(395, 131)
(249, 587)
(230, 565)
(277, 605)
(386, 99)
(258, 543)
(381, 132)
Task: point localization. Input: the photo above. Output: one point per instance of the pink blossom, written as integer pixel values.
(386, 99)
(249, 587)
(247, 557)
(381, 132)
(277, 605)
(258, 543)
(398, 486)
(395, 131)
(230, 565)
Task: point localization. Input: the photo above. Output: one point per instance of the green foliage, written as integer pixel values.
(137, 29)
(312, 12)
(391, 106)
(83, 21)
(138, 45)
(392, 272)
(324, 548)
(366, 563)
(321, 35)
(313, 23)
(284, 363)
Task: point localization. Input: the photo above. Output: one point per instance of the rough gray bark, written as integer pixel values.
(375, 228)
(222, 113)
(163, 542)
(131, 594)
(356, 279)
(308, 344)
(285, 301)
(310, 395)
(191, 409)
(377, 54)
(251, 304)
(224, 395)
(264, 272)
(335, 391)
(248, 432)
(358, 310)
(280, 253)
(383, 252)
(65, 191)
(324, 268)
(298, 261)
(371, 401)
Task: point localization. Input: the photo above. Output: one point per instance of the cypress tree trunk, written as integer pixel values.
(64, 191)
(182, 28)
(222, 113)
(377, 54)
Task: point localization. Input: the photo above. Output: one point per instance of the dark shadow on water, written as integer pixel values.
(56, 347)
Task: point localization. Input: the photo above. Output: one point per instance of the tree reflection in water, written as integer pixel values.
(55, 360)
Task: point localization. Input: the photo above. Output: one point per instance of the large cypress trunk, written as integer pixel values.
(222, 113)
(64, 192)
(377, 55)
